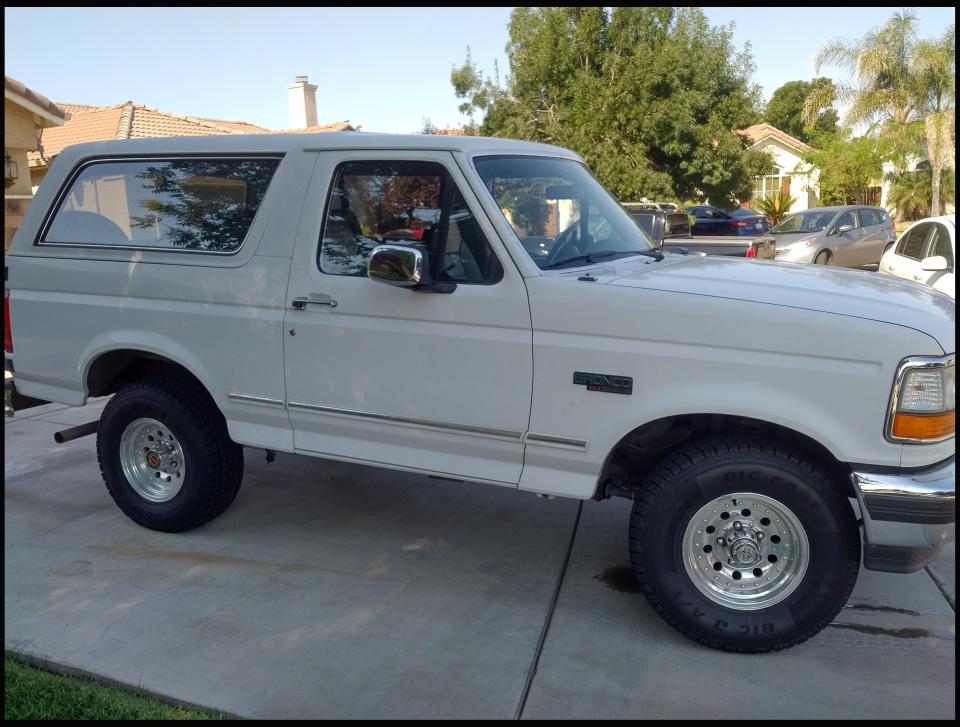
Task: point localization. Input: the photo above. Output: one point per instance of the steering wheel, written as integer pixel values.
(568, 239)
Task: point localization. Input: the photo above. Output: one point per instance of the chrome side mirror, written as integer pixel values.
(934, 264)
(405, 266)
(842, 228)
(400, 265)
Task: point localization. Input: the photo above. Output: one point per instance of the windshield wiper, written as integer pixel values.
(593, 256)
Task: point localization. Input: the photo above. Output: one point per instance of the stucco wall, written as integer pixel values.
(19, 136)
(802, 186)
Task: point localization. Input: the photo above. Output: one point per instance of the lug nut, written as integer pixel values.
(721, 541)
(738, 525)
(759, 535)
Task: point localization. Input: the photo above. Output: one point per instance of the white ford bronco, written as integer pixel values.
(373, 299)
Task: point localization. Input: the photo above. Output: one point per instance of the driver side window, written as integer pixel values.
(847, 218)
(408, 203)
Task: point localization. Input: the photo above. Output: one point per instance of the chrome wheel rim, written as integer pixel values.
(745, 551)
(152, 460)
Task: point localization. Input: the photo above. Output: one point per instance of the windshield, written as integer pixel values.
(560, 212)
(809, 221)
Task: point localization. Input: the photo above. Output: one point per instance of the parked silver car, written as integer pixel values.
(850, 236)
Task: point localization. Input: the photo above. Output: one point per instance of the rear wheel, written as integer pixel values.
(744, 546)
(824, 257)
(165, 455)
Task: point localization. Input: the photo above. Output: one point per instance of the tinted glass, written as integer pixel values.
(911, 244)
(404, 202)
(645, 220)
(810, 221)
(869, 217)
(847, 218)
(188, 204)
(939, 244)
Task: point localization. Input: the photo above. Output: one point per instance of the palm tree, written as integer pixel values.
(934, 68)
(902, 87)
(879, 63)
(776, 206)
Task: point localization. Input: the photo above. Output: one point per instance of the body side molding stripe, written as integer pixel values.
(254, 399)
(449, 426)
(549, 440)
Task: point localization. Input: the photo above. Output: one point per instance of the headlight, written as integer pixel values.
(923, 404)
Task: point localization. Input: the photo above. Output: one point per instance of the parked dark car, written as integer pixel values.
(671, 231)
(710, 220)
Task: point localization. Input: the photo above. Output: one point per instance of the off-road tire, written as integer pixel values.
(693, 475)
(214, 463)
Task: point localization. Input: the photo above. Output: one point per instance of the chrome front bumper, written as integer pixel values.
(906, 517)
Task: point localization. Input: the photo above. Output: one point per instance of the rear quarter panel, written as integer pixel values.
(221, 317)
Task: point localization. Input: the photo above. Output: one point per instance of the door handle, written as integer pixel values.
(315, 298)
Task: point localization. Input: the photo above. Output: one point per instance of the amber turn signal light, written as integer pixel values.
(924, 426)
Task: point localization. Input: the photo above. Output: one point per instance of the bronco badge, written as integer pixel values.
(609, 383)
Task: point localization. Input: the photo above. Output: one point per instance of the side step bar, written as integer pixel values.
(82, 430)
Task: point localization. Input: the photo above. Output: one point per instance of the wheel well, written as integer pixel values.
(641, 450)
(113, 369)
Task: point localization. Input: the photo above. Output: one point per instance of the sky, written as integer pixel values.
(384, 69)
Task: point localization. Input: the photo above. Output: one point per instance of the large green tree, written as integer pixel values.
(650, 97)
(848, 166)
(785, 110)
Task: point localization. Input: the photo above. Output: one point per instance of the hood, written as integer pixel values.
(788, 238)
(838, 291)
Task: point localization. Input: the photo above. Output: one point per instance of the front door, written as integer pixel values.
(909, 252)
(434, 382)
(848, 241)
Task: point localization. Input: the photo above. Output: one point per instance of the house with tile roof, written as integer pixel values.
(791, 174)
(129, 120)
(26, 114)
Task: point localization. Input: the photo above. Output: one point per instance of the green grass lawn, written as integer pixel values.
(32, 693)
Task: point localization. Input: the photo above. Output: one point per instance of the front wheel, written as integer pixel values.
(744, 546)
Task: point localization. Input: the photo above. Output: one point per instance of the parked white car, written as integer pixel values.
(925, 253)
(370, 298)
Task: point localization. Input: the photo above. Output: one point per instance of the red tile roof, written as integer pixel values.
(136, 121)
(15, 87)
(758, 132)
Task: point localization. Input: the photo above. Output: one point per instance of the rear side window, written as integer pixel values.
(869, 217)
(645, 220)
(939, 244)
(203, 205)
(911, 244)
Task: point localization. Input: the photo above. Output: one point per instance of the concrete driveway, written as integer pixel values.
(335, 590)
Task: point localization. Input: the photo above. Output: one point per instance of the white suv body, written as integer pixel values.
(239, 302)
(925, 253)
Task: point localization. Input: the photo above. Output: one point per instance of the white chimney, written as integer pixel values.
(303, 103)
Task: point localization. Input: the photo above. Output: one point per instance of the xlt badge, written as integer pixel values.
(609, 383)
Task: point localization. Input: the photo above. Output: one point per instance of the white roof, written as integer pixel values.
(281, 143)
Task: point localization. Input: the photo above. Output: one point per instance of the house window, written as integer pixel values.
(766, 186)
(872, 197)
